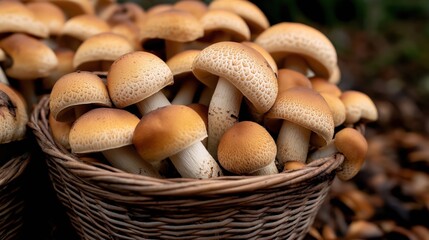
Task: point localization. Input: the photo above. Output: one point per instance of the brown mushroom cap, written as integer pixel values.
(74, 8)
(264, 53)
(287, 38)
(245, 148)
(60, 131)
(181, 63)
(65, 65)
(50, 14)
(82, 27)
(337, 108)
(196, 8)
(359, 107)
(289, 78)
(322, 85)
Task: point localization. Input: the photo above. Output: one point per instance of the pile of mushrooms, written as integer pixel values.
(188, 89)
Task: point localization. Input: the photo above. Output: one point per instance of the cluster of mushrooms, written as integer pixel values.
(205, 89)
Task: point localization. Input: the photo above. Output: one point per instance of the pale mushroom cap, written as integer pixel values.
(241, 65)
(173, 25)
(135, 76)
(50, 14)
(289, 78)
(337, 108)
(31, 58)
(105, 46)
(181, 63)
(75, 89)
(13, 115)
(16, 17)
(246, 147)
(196, 8)
(296, 38)
(60, 131)
(353, 145)
(254, 17)
(335, 76)
(359, 107)
(166, 131)
(322, 85)
(264, 53)
(74, 8)
(102, 129)
(84, 26)
(307, 108)
(215, 21)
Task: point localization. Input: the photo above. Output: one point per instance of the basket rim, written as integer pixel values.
(13, 168)
(107, 177)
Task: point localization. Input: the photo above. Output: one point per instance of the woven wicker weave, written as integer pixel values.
(12, 196)
(106, 203)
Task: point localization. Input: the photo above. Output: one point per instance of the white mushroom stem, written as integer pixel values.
(267, 170)
(223, 111)
(127, 159)
(196, 162)
(206, 95)
(153, 102)
(325, 151)
(3, 78)
(292, 143)
(296, 63)
(186, 92)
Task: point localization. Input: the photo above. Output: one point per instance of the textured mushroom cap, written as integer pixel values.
(307, 108)
(54, 20)
(84, 26)
(241, 65)
(13, 115)
(74, 8)
(166, 131)
(254, 17)
(102, 129)
(196, 8)
(337, 108)
(289, 78)
(16, 17)
(216, 21)
(359, 107)
(181, 63)
(105, 46)
(264, 53)
(174, 25)
(246, 147)
(353, 145)
(31, 58)
(323, 86)
(135, 76)
(76, 89)
(60, 131)
(296, 38)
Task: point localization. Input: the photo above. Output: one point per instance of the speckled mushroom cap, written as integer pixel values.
(243, 66)
(31, 59)
(135, 76)
(16, 17)
(102, 129)
(323, 85)
(74, 8)
(104, 46)
(307, 108)
(216, 20)
(168, 130)
(254, 17)
(359, 107)
(246, 147)
(13, 112)
(84, 26)
(76, 89)
(50, 14)
(286, 38)
(181, 63)
(174, 25)
(337, 108)
(264, 53)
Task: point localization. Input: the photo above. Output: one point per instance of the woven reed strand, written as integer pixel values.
(106, 203)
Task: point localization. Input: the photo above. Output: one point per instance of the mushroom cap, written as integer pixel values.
(323, 85)
(60, 131)
(353, 145)
(288, 78)
(130, 31)
(166, 131)
(102, 129)
(337, 108)
(196, 8)
(264, 53)
(106, 46)
(216, 20)
(307, 108)
(84, 26)
(135, 76)
(31, 58)
(241, 65)
(246, 147)
(13, 115)
(250, 12)
(174, 25)
(65, 65)
(55, 20)
(359, 107)
(16, 17)
(74, 8)
(76, 89)
(181, 63)
(287, 38)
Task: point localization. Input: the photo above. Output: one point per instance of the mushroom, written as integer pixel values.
(137, 78)
(246, 148)
(109, 131)
(76, 93)
(60, 131)
(337, 107)
(239, 71)
(303, 111)
(196, 8)
(264, 53)
(322, 85)
(359, 107)
(123, 12)
(74, 8)
(203, 111)
(176, 132)
(130, 31)
(352, 144)
(65, 65)
(3, 78)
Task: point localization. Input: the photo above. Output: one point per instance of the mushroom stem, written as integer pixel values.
(186, 93)
(224, 109)
(127, 159)
(28, 91)
(172, 48)
(196, 162)
(292, 143)
(325, 151)
(206, 95)
(153, 102)
(3, 78)
(267, 170)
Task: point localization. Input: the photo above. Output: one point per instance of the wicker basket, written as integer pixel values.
(12, 195)
(106, 203)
